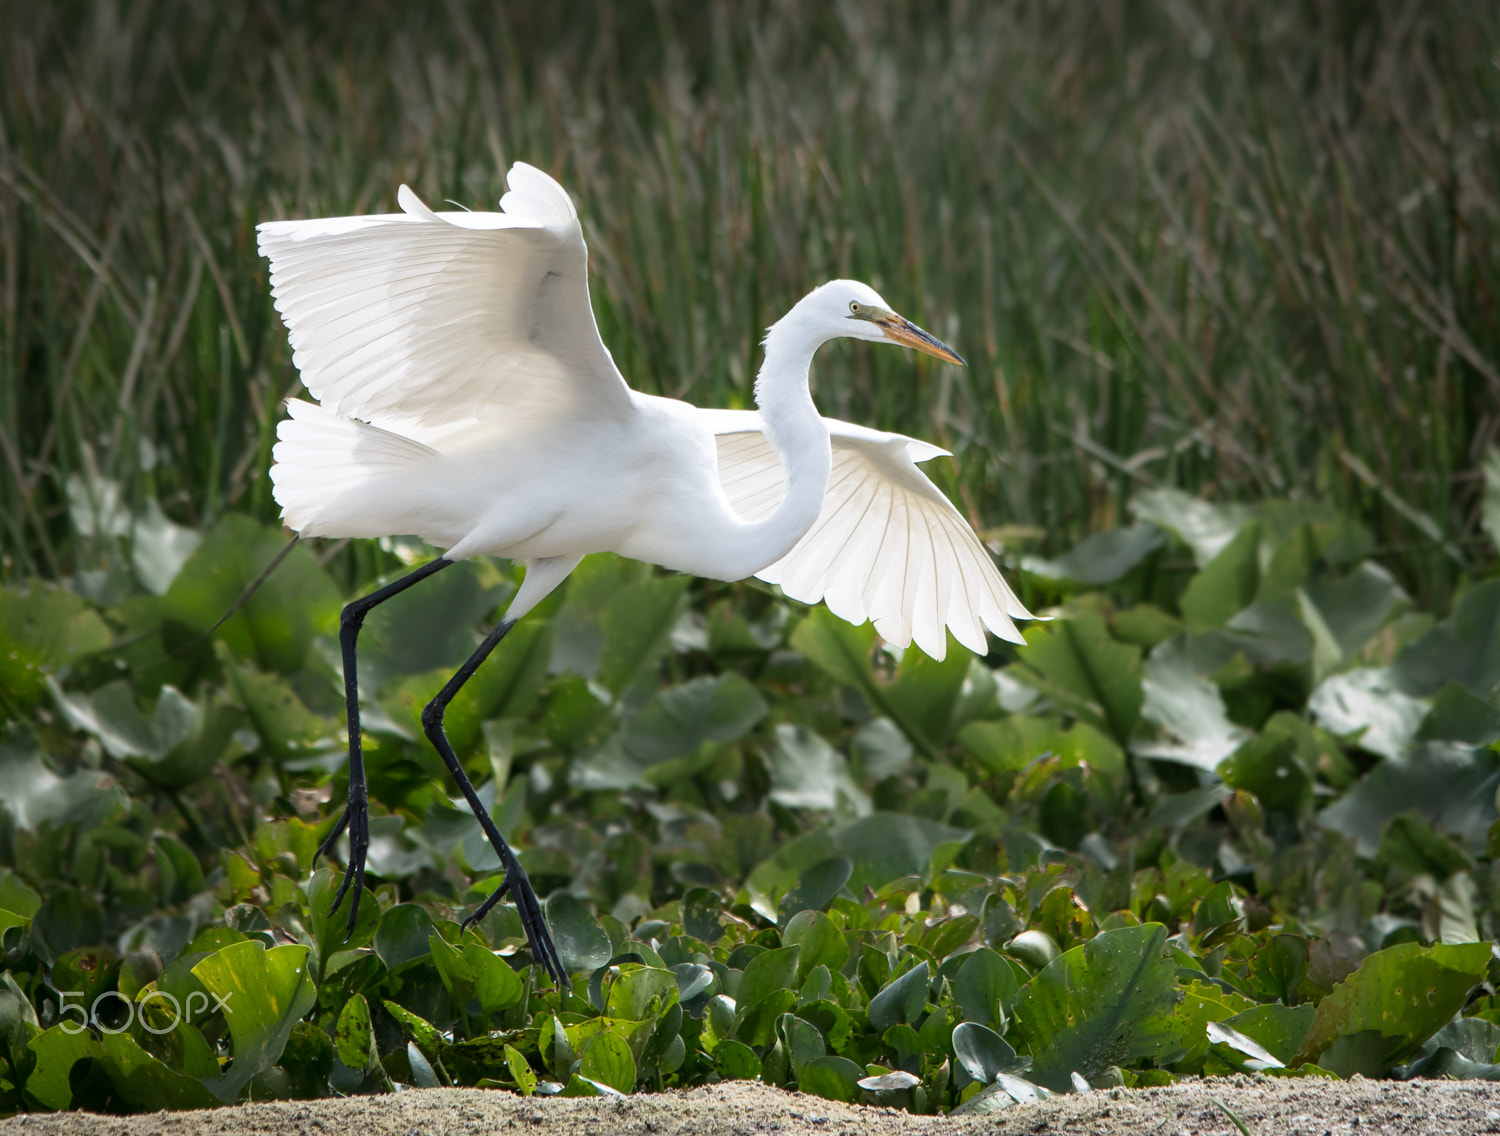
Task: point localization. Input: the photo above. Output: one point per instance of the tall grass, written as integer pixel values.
(1247, 249)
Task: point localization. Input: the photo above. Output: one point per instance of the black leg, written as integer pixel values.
(516, 881)
(356, 816)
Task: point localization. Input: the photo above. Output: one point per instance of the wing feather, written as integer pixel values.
(887, 546)
(426, 318)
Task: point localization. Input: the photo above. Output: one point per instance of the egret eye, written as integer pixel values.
(854, 306)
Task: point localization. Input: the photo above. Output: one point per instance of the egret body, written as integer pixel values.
(465, 396)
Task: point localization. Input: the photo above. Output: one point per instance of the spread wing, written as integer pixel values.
(425, 319)
(887, 546)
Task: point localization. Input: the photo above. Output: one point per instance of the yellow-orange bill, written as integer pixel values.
(903, 331)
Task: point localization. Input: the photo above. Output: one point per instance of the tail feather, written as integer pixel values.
(323, 460)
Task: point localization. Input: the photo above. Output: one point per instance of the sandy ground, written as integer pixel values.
(1268, 1108)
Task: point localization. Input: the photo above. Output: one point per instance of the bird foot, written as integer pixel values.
(356, 819)
(518, 885)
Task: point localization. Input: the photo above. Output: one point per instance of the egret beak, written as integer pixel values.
(901, 330)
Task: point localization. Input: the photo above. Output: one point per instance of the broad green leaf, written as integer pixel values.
(808, 773)
(57, 1051)
(353, 1039)
(403, 933)
(1227, 584)
(456, 972)
(1410, 844)
(581, 943)
(1278, 765)
(1458, 716)
(608, 1059)
(925, 692)
(264, 993)
(520, 1070)
(985, 989)
(1107, 1002)
(981, 1051)
(32, 794)
(838, 648)
(506, 686)
(1079, 665)
(423, 1032)
(432, 626)
(901, 1000)
(637, 625)
(1464, 648)
(820, 942)
(1101, 558)
(832, 1078)
(42, 629)
(496, 985)
(329, 927)
(1368, 702)
(1354, 607)
(803, 1041)
(1279, 1029)
(1396, 1000)
(766, 974)
(144, 1083)
(1204, 526)
(641, 992)
(67, 920)
(1188, 709)
(288, 730)
(1453, 786)
(275, 627)
(736, 1061)
(16, 897)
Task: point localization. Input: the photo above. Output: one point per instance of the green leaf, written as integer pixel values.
(496, 985)
(1101, 558)
(808, 773)
(1440, 782)
(1189, 710)
(641, 992)
(328, 927)
(736, 1061)
(1080, 666)
(925, 692)
(581, 943)
(1204, 526)
(819, 941)
(1396, 1000)
(1107, 1002)
(1280, 1030)
(31, 794)
(766, 974)
(264, 993)
(1458, 716)
(57, 1051)
(1227, 584)
(353, 1039)
(637, 626)
(68, 920)
(837, 648)
(985, 989)
(902, 999)
(275, 627)
(981, 1051)
(1410, 844)
(832, 1078)
(455, 971)
(1278, 765)
(146, 1084)
(179, 744)
(403, 933)
(520, 1070)
(1369, 703)
(608, 1059)
(1354, 607)
(423, 1032)
(42, 630)
(1464, 648)
(288, 730)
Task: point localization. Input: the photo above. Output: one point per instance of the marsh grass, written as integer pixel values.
(1246, 249)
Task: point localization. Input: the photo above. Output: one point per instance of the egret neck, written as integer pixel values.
(799, 436)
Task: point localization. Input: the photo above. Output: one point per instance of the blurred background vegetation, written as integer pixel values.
(1248, 250)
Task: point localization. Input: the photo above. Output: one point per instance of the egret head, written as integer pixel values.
(856, 310)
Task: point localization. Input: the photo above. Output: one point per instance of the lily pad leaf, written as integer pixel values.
(1107, 1002)
(1101, 558)
(264, 993)
(1077, 663)
(1188, 709)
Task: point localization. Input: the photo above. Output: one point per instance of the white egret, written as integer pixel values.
(465, 396)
